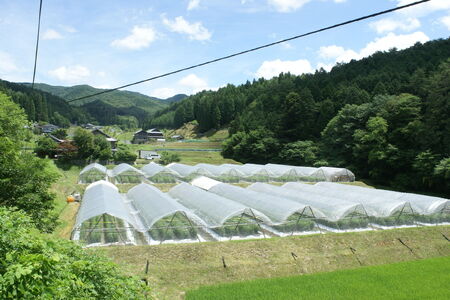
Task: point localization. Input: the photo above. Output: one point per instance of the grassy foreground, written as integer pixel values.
(422, 279)
(176, 268)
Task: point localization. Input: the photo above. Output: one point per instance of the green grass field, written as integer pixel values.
(422, 279)
(176, 268)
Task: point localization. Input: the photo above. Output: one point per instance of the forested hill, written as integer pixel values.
(48, 103)
(44, 107)
(125, 108)
(387, 117)
(118, 99)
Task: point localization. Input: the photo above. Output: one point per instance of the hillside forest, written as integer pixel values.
(386, 117)
(47, 103)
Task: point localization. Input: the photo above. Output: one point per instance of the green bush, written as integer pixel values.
(38, 266)
(169, 157)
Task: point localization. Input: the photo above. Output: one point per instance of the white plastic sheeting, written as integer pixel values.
(375, 206)
(152, 169)
(337, 174)
(92, 172)
(95, 166)
(287, 171)
(160, 174)
(220, 171)
(420, 203)
(153, 205)
(333, 209)
(100, 198)
(214, 210)
(278, 209)
(188, 171)
(122, 168)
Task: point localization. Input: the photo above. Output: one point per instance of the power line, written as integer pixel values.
(37, 43)
(253, 49)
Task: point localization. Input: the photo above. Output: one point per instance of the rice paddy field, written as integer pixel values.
(421, 279)
(175, 269)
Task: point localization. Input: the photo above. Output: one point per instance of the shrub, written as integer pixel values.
(167, 158)
(38, 266)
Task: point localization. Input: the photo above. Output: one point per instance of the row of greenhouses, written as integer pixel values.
(230, 173)
(209, 210)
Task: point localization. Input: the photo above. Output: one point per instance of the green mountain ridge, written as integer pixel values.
(118, 99)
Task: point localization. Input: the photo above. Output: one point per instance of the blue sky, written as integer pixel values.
(106, 43)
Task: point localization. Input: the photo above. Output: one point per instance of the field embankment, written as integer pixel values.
(176, 268)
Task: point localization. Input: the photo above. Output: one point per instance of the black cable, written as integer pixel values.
(253, 49)
(37, 43)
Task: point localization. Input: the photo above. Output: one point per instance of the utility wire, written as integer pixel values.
(254, 49)
(37, 43)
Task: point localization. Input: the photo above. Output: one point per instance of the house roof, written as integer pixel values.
(101, 132)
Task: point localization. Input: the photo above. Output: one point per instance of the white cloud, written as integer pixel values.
(340, 1)
(69, 29)
(446, 21)
(340, 55)
(393, 40)
(193, 4)
(326, 67)
(195, 83)
(195, 31)
(140, 37)
(286, 45)
(424, 8)
(389, 25)
(287, 5)
(337, 53)
(70, 74)
(51, 34)
(269, 69)
(7, 63)
(163, 93)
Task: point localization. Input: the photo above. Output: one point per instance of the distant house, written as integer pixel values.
(110, 139)
(143, 136)
(48, 128)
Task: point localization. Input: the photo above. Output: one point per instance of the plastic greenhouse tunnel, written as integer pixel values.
(221, 217)
(286, 216)
(429, 209)
(223, 173)
(187, 172)
(124, 173)
(103, 217)
(336, 214)
(381, 210)
(159, 174)
(91, 173)
(163, 217)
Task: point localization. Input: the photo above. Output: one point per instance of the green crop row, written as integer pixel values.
(350, 223)
(237, 226)
(179, 229)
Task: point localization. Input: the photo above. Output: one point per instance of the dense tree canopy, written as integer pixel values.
(387, 117)
(24, 179)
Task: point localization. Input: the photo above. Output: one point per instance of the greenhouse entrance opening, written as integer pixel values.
(175, 227)
(105, 229)
(246, 225)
